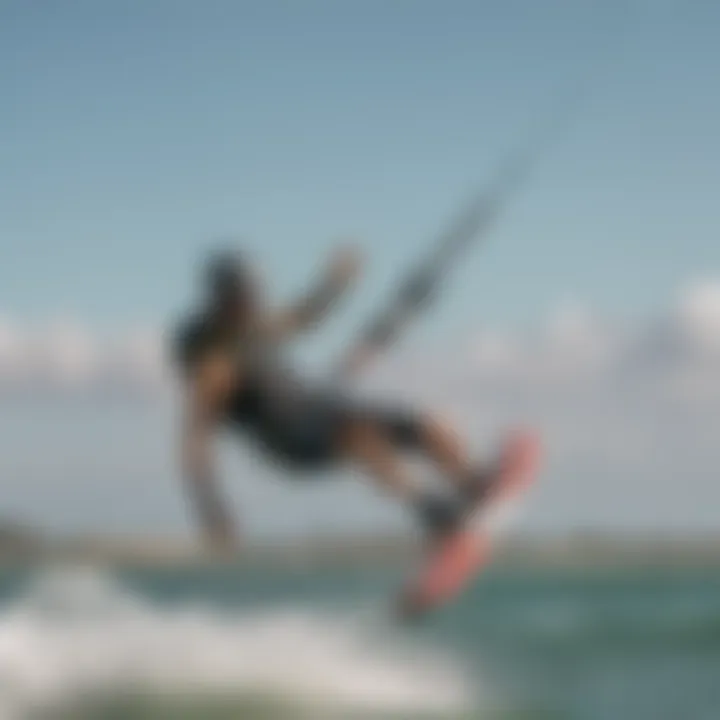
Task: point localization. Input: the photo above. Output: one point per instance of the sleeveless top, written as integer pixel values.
(268, 393)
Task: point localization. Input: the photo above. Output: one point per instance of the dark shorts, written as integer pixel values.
(310, 437)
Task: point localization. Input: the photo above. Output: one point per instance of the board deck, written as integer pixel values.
(453, 562)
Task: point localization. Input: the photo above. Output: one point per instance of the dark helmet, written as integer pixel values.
(228, 278)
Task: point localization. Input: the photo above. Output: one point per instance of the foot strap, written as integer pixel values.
(439, 514)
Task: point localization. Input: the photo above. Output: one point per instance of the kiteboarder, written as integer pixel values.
(230, 354)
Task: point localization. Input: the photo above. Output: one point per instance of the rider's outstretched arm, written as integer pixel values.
(311, 309)
(207, 387)
(414, 294)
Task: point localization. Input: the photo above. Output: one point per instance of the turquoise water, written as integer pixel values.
(225, 643)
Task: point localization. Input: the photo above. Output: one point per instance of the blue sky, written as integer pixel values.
(133, 134)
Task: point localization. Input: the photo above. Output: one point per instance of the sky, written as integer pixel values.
(135, 135)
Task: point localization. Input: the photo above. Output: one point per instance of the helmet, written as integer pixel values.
(228, 278)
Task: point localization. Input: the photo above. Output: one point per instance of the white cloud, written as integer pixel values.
(63, 356)
(493, 351)
(680, 348)
(698, 316)
(630, 414)
(64, 352)
(10, 349)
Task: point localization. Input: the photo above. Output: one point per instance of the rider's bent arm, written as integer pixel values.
(207, 389)
(311, 309)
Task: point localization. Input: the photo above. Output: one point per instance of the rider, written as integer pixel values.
(230, 355)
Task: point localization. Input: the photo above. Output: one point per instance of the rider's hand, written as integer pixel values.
(223, 540)
(345, 263)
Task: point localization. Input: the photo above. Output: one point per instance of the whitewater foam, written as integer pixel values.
(81, 632)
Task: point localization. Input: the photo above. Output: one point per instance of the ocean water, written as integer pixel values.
(82, 643)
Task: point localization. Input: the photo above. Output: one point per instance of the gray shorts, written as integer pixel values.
(309, 434)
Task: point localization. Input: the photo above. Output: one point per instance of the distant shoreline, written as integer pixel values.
(573, 550)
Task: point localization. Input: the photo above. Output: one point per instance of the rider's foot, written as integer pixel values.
(515, 453)
(439, 514)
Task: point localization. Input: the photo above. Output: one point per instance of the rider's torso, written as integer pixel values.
(267, 391)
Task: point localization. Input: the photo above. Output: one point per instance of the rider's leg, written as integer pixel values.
(369, 446)
(439, 442)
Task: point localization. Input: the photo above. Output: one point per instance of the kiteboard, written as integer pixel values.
(454, 561)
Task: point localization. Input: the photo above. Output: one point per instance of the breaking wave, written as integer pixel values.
(81, 633)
